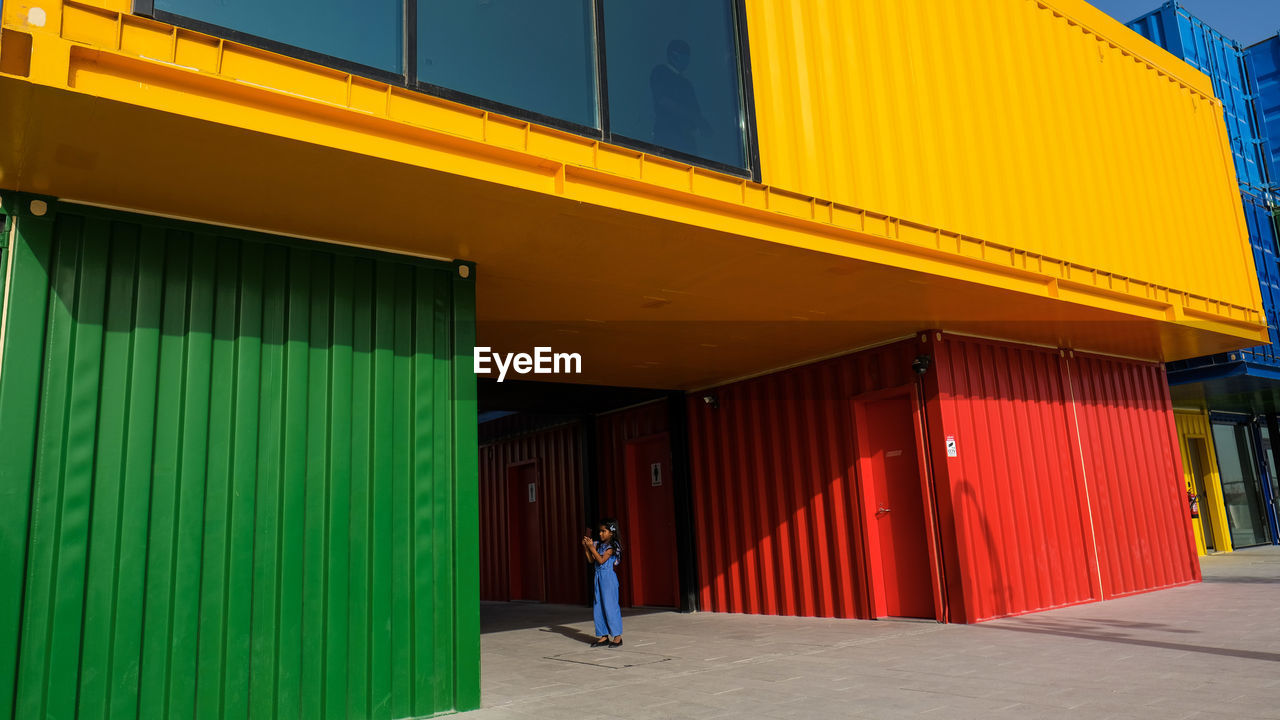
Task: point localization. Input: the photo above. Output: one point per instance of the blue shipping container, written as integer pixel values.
(1264, 58)
(1227, 65)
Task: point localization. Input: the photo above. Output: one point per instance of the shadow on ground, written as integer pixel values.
(1105, 631)
(504, 616)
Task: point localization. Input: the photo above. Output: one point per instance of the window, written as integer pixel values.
(673, 76)
(365, 32)
(663, 76)
(1241, 489)
(536, 56)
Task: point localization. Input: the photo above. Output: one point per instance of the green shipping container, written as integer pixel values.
(237, 474)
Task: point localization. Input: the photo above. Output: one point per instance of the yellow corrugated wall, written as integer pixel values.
(1036, 124)
(1033, 145)
(1195, 424)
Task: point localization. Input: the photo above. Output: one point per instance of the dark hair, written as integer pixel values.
(615, 539)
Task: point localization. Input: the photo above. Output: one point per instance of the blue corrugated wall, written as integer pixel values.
(1227, 65)
(1264, 58)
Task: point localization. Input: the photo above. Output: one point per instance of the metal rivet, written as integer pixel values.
(36, 17)
(39, 207)
(464, 271)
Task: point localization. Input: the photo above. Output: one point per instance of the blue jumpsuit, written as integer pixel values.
(607, 612)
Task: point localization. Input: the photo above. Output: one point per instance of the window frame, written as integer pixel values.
(751, 152)
(408, 79)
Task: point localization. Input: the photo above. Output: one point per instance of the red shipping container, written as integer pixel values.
(1030, 479)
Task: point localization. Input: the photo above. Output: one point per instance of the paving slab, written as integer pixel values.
(1204, 651)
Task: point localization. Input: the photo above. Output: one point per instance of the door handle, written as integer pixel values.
(882, 510)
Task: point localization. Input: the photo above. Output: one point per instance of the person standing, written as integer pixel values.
(605, 554)
(677, 115)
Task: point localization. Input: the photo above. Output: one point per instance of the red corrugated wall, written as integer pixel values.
(613, 431)
(558, 454)
(777, 515)
(776, 501)
(1019, 538)
(1134, 469)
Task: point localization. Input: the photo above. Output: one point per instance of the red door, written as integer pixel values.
(650, 532)
(524, 549)
(887, 437)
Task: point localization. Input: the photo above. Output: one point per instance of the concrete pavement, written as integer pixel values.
(1210, 650)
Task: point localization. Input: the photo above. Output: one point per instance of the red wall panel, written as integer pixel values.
(557, 453)
(1014, 489)
(613, 431)
(775, 503)
(1134, 470)
(1064, 488)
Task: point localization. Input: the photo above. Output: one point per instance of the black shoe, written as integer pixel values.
(616, 644)
(600, 643)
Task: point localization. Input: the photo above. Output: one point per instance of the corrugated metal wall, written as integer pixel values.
(1227, 65)
(557, 452)
(776, 512)
(1196, 425)
(777, 502)
(1263, 239)
(1262, 235)
(1014, 488)
(613, 431)
(965, 120)
(251, 472)
(1130, 448)
(1230, 68)
(1264, 59)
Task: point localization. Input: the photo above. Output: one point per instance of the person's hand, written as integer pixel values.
(586, 541)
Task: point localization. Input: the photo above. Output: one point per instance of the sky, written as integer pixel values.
(1246, 21)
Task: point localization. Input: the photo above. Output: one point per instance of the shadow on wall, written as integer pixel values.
(964, 497)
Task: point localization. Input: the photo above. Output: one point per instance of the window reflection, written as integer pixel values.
(677, 116)
(673, 76)
(674, 80)
(367, 32)
(537, 56)
(1241, 491)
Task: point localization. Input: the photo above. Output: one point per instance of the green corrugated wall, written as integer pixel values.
(237, 475)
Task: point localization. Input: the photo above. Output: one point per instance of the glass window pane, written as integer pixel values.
(1241, 492)
(368, 32)
(673, 76)
(537, 56)
(1272, 476)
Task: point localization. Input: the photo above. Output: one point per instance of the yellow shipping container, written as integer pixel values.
(1025, 169)
(1043, 126)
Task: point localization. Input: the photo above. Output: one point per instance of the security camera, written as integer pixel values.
(921, 364)
(710, 401)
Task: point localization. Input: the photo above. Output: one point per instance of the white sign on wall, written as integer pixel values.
(655, 474)
(533, 492)
(951, 446)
